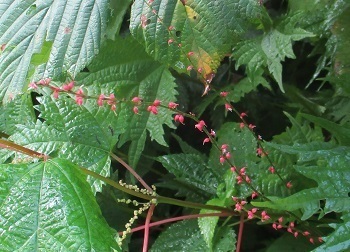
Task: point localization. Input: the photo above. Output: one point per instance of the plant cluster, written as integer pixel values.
(203, 124)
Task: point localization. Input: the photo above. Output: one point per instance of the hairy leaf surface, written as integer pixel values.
(49, 206)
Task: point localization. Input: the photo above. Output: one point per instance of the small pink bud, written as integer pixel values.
(170, 41)
(200, 70)
(247, 179)
(153, 109)
(311, 240)
(224, 94)
(242, 115)
(233, 168)
(264, 216)
(259, 137)
(280, 219)
(228, 155)
(69, 86)
(289, 184)
(228, 107)
(254, 210)
(79, 100)
(241, 125)
(189, 68)
(179, 45)
(251, 126)
(206, 140)
(274, 225)
(190, 54)
(238, 207)
(172, 105)
(242, 171)
(111, 99)
(259, 151)
(296, 234)
(291, 224)
(222, 159)
(56, 92)
(272, 169)
(113, 107)
(224, 147)
(156, 103)
(136, 100)
(32, 85)
(135, 110)
(320, 239)
(250, 215)
(100, 100)
(200, 125)
(279, 226)
(170, 28)
(179, 118)
(212, 133)
(306, 233)
(289, 230)
(234, 198)
(254, 195)
(243, 202)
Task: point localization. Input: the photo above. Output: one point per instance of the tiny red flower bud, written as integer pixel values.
(296, 234)
(254, 210)
(311, 240)
(222, 159)
(234, 198)
(242, 115)
(306, 233)
(228, 107)
(280, 219)
(241, 125)
(200, 125)
(32, 85)
(279, 226)
(113, 107)
(259, 151)
(289, 230)
(170, 28)
(228, 155)
(242, 171)
(233, 169)
(247, 179)
(272, 169)
(56, 92)
(190, 54)
(135, 110)
(136, 100)
(243, 202)
(179, 118)
(238, 207)
(69, 86)
(153, 109)
(206, 140)
(264, 216)
(79, 100)
(100, 100)
(320, 239)
(172, 105)
(170, 41)
(254, 195)
(200, 70)
(291, 224)
(156, 103)
(251, 126)
(212, 133)
(189, 68)
(289, 184)
(224, 147)
(224, 94)
(111, 99)
(274, 225)
(179, 45)
(250, 215)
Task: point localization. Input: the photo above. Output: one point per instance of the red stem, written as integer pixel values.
(147, 226)
(240, 233)
(185, 217)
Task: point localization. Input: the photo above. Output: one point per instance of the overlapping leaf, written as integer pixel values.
(71, 33)
(330, 172)
(50, 207)
(131, 72)
(189, 33)
(270, 49)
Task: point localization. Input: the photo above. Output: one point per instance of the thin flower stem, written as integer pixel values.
(132, 171)
(5, 144)
(185, 217)
(147, 226)
(240, 233)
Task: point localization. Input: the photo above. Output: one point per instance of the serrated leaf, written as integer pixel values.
(339, 240)
(207, 225)
(84, 134)
(75, 28)
(331, 174)
(270, 49)
(49, 206)
(193, 24)
(18, 111)
(131, 72)
(181, 236)
(192, 169)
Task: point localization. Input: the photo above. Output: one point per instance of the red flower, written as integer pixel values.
(200, 125)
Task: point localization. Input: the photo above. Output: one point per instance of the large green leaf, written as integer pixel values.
(131, 72)
(186, 236)
(49, 206)
(339, 240)
(331, 173)
(270, 48)
(65, 36)
(83, 134)
(162, 25)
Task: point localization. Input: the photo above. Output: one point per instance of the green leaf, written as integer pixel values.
(207, 225)
(339, 240)
(288, 243)
(83, 134)
(75, 29)
(340, 132)
(192, 169)
(270, 49)
(193, 24)
(18, 111)
(49, 206)
(331, 174)
(131, 72)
